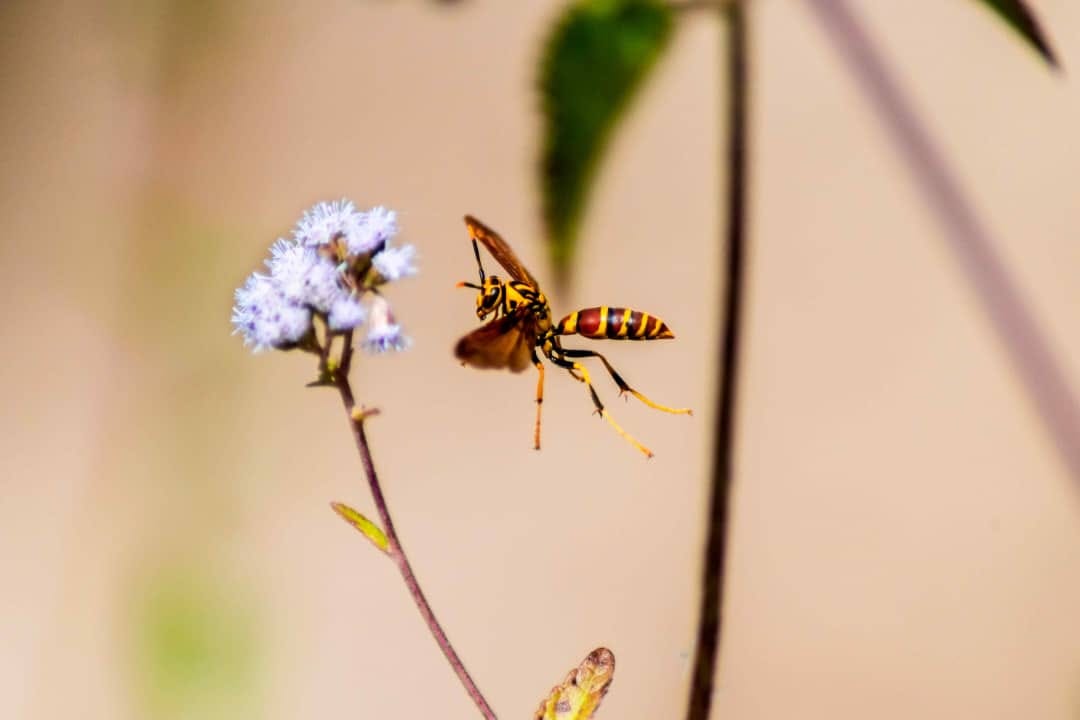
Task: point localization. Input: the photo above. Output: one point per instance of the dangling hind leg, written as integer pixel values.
(578, 372)
(539, 399)
(623, 386)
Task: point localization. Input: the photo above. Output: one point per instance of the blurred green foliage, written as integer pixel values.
(597, 56)
(195, 650)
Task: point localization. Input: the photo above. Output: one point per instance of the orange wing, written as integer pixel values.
(499, 250)
(505, 342)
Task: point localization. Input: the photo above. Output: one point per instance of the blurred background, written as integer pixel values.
(905, 539)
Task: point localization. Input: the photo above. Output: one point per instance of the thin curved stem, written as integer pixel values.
(715, 563)
(394, 549)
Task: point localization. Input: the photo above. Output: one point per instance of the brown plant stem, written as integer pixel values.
(394, 548)
(715, 562)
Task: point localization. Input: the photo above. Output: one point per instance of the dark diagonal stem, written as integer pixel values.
(394, 548)
(712, 592)
(969, 239)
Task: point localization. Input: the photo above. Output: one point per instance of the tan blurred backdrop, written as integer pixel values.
(905, 539)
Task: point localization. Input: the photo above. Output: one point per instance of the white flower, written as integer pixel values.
(286, 324)
(385, 339)
(383, 333)
(323, 221)
(289, 266)
(378, 227)
(396, 263)
(323, 271)
(303, 276)
(265, 317)
(346, 313)
(322, 285)
(252, 295)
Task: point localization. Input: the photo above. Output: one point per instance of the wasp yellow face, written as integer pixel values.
(489, 297)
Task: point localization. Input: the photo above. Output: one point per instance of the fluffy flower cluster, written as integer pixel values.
(336, 257)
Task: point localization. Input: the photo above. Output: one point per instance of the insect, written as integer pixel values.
(521, 322)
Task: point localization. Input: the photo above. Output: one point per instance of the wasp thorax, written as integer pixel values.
(489, 297)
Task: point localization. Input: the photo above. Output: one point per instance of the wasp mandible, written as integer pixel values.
(521, 322)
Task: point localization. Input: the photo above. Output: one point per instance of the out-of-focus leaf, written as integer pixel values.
(369, 529)
(597, 56)
(196, 651)
(1020, 18)
(579, 695)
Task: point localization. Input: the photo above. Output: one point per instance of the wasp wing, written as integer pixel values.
(499, 250)
(505, 342)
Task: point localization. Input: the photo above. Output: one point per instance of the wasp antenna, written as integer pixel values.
(474, 286)
(480, 265)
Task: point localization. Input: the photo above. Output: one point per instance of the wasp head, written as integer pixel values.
(489, 295)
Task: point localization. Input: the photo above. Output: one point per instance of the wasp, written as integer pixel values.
(521, 322)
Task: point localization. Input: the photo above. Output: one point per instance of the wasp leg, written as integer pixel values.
(578, 372)
(623, 386)
(539, 398)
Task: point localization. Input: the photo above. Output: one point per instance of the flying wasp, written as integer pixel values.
(521, 322)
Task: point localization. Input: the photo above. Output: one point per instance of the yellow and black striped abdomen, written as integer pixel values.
(614, 323)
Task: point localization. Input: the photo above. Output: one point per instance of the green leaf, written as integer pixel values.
(1017, 15)
(597, 56)
(196, 647)
(369, 529)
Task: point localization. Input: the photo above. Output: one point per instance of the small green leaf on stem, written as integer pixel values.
(1019, 17)
(369, 529)
(597, 56)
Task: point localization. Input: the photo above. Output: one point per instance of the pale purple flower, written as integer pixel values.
(378, 227)
(395, 263)
(323, 271)
(383, 333)
(265, 317)
(289, 265)
(346, 313)
(321, 223)
(386, 339)
(304, 276)
(254, 293)
(323, 285)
